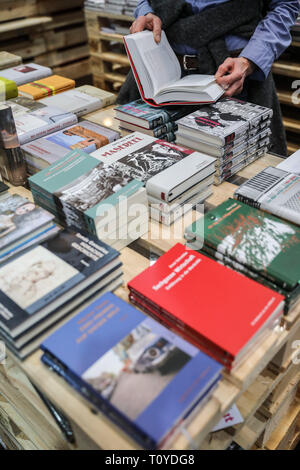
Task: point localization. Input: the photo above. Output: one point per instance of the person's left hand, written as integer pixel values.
(232, 73)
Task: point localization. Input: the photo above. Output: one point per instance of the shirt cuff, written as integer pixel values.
(261, 55)
(143, 11)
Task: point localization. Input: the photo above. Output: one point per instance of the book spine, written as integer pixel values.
(167, 128)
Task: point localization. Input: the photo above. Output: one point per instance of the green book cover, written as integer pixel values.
(9, 88)
(253, 238)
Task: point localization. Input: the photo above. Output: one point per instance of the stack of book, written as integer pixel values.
(49, 86)
(233, 131)
(131, 369)
(22, 224)
(215, 308)
(81, 100)
(50, 280)
(84, 136)
(253, 242)
(161, 123)
(176, 178)
(103, 200)
(8, 60)
(26, 73)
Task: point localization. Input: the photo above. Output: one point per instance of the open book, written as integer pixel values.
(158, 74)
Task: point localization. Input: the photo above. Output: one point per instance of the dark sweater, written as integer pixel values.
(205, 32)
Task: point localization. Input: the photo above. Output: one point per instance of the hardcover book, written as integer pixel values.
(158, 74)
(224, 122)
(84, 136)
(253, 238)
(291, 164)
(49, 86)
(142, 114)
(41, 122)
(45, 277)
(22, 105)
(275, 191)
(106, 98)
(8, 89)
(162, 289)
(9, 60)
(131, 367)
(26, 73)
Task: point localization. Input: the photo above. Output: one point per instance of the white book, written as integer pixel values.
(41, 122)
(175, 180)
(26, 73)
(158, 73)
(80, 101)
(291, 164)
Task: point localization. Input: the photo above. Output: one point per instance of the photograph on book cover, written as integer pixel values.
(79, 137)
(143, 361)
(31, 277)
(92, 188)
(150, 160)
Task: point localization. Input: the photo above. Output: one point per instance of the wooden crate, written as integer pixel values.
(109, 62)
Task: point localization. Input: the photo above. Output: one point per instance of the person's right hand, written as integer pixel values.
(150, 22)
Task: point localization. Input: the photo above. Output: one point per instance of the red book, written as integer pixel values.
(217, 309)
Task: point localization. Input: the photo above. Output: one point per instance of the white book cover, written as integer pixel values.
(26, 73)
(41, 122)
(73, 101)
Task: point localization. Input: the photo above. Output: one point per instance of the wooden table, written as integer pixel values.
(248, 385)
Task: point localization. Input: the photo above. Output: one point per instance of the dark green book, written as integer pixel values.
(259, 241)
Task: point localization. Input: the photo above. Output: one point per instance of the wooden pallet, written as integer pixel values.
(58, 40)
(109, 68)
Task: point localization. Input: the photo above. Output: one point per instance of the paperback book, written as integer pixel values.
(84, 136)
(9, 60)
(49, 86)
(8, 89)
(128, 355)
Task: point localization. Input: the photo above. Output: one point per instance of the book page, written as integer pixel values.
(159, 60)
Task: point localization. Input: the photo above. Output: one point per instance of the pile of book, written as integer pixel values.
(233, 131)
(215, 308)
(157, 122)
(176, 179)
(47, 281)
(81, 191)
(22, 224)
(131, 368)
(16, 74)
(253, 242)
(118, 7)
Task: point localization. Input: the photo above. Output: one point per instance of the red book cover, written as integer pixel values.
(220, 305)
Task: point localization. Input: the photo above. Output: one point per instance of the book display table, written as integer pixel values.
(265, 387)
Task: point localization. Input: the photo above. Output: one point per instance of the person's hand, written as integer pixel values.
(232, 73)
(150, 22)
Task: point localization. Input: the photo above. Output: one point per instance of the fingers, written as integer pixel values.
(157, 29)
(235, 89)
(231, 79)
(139, 25)
(225, 68)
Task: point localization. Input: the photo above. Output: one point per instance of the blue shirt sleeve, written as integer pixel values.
(272, 36)
(143, 8)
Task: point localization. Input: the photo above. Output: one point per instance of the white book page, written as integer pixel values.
(159, 59)
(195, 80)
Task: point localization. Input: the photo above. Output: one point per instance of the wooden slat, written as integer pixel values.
(288, 69)
(24, 24)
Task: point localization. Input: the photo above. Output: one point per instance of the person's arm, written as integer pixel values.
(145, 19)
(143, 8)
(271, 37)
